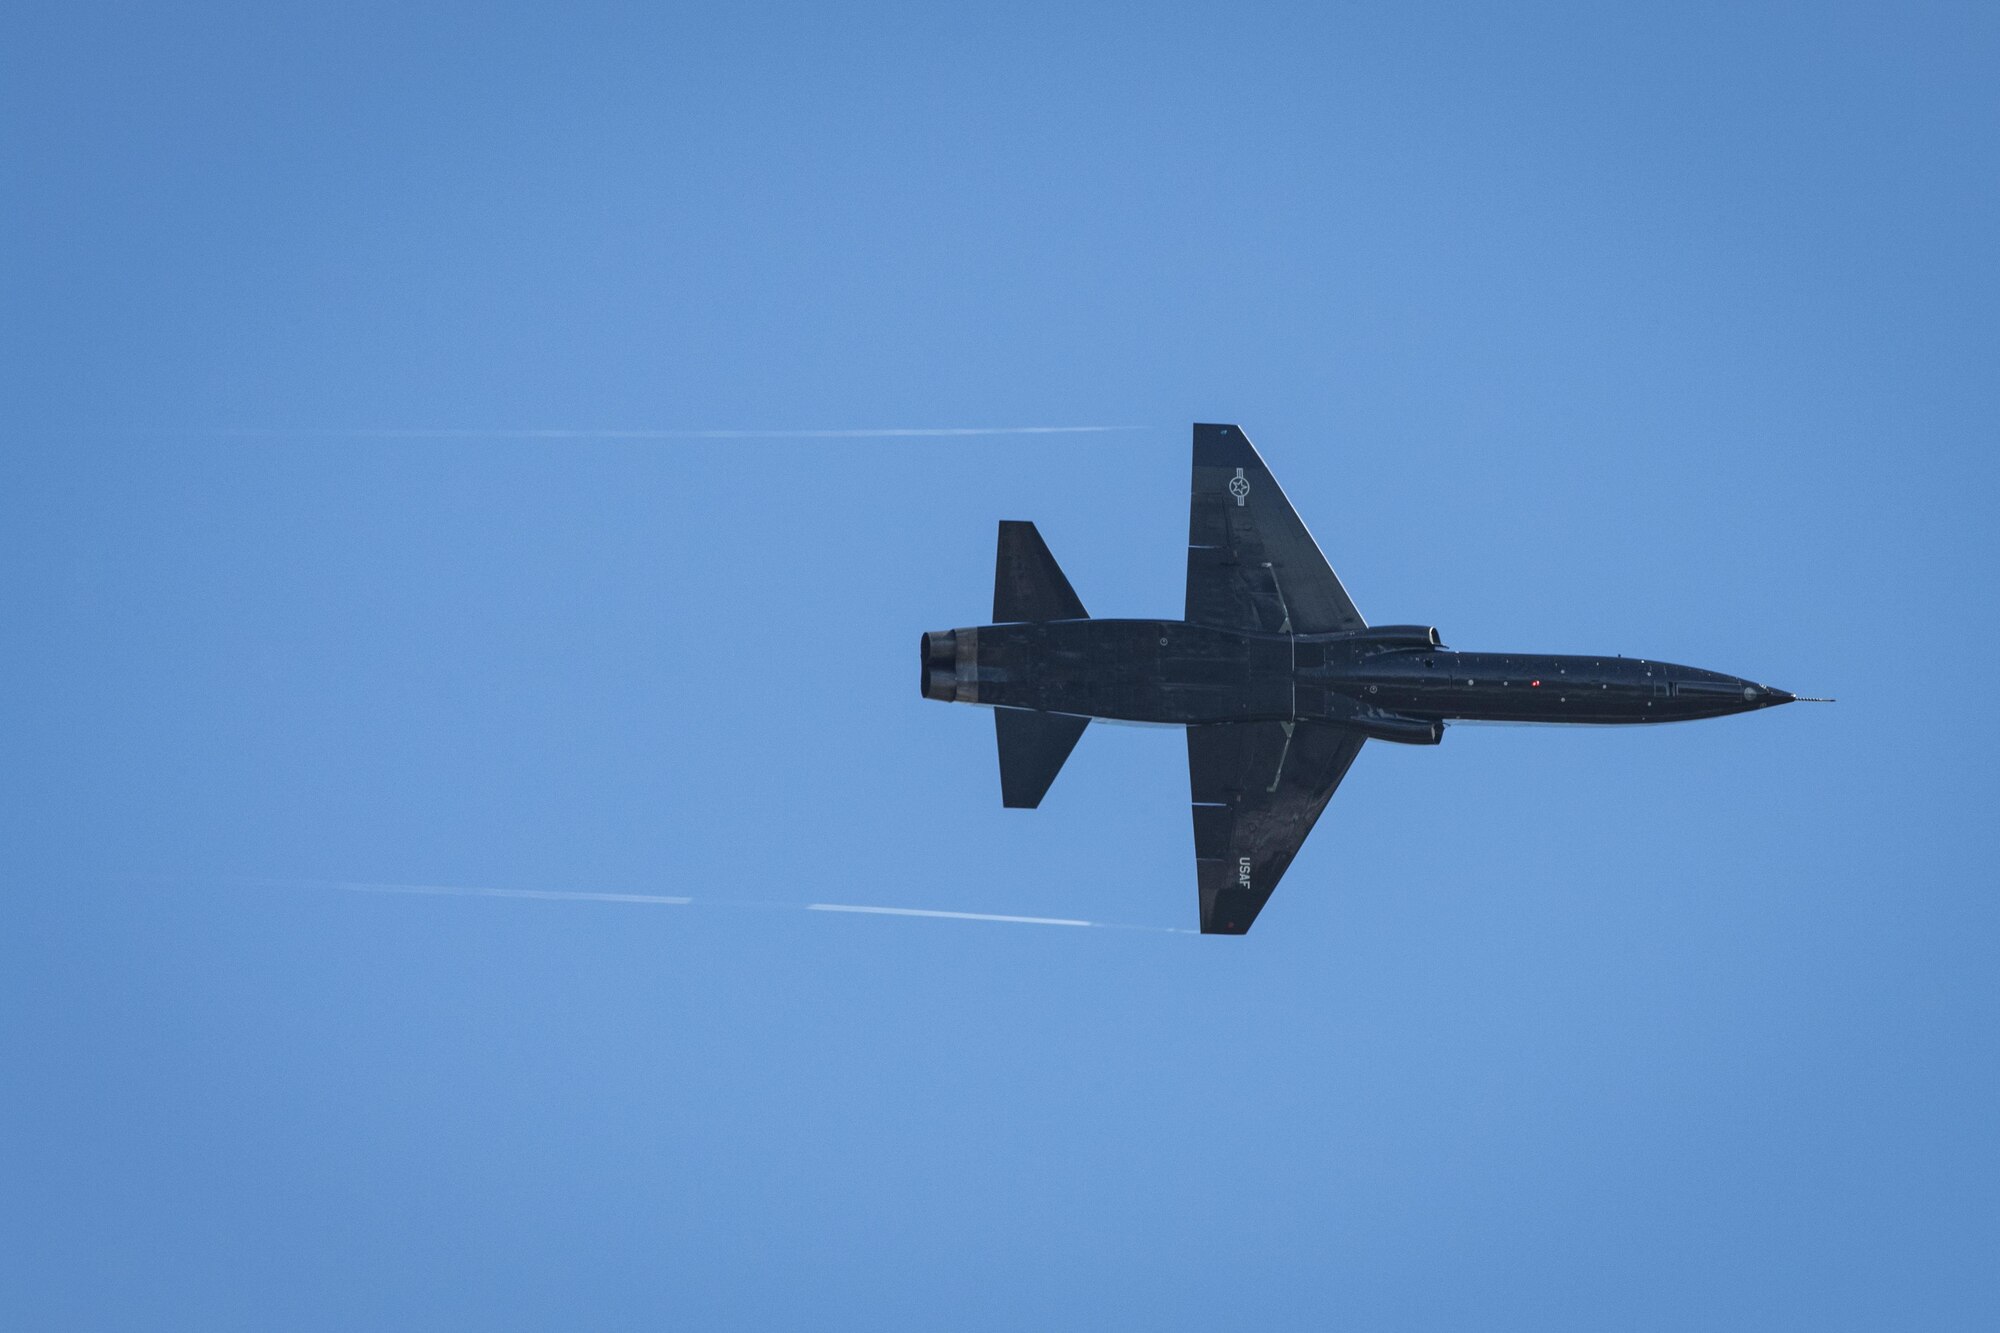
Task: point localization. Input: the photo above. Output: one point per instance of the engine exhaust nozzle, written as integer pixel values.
(940, 665)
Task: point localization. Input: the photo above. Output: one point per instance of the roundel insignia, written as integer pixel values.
(1239, 486)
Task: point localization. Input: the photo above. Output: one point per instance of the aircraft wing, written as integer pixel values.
(1251, 563)
(1257, 789)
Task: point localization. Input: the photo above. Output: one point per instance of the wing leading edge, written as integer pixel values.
(1251, 563)
(1257, 790)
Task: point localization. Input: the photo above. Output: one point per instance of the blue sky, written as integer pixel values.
(1574, 329)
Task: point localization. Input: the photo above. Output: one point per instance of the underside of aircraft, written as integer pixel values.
(1273, 671)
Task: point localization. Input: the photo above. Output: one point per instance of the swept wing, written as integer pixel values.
(1251, 563)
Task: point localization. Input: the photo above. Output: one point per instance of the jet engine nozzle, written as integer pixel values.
(940, 665)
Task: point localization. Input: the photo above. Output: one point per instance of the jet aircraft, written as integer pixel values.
(1272, 670)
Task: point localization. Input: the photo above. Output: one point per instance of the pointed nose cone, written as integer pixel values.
(1763, 696)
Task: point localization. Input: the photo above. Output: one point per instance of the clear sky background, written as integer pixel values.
(1661, 330)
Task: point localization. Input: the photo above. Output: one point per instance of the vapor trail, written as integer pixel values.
(572, 433)
(665, 900)
(546, 895)
(950, 916)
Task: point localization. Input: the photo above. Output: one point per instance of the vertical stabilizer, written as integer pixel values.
(1027, 582)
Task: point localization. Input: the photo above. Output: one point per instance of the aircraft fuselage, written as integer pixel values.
(1392, 683)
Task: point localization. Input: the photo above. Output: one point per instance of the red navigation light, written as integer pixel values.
(1534, 682)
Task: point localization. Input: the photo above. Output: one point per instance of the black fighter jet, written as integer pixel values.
(1273, 672)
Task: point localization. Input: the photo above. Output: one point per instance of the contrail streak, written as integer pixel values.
(666, 900)
(949, 916)
(545, 895)
(571, 433)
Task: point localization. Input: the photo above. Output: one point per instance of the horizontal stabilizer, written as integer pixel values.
(1033, 747)
(1027, 582)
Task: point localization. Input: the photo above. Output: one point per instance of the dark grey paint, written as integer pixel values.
(1274, 672)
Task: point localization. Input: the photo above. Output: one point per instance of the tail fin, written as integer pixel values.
(1033, 747)
(1029, 585)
